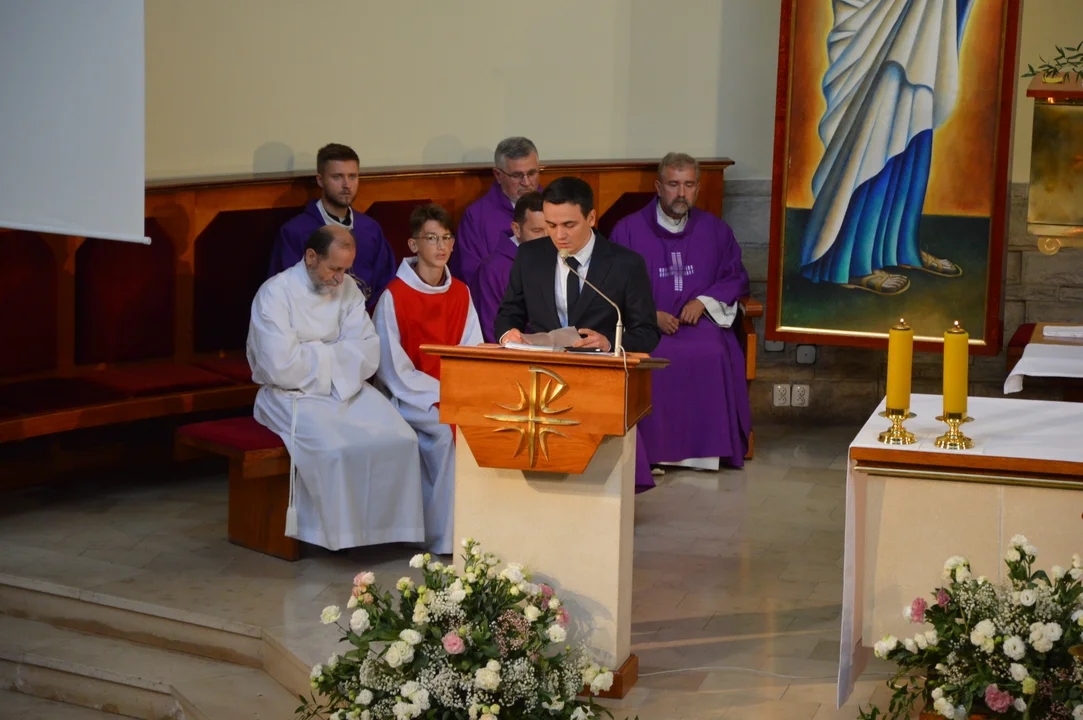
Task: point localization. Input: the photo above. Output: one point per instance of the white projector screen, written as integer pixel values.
(71, 117)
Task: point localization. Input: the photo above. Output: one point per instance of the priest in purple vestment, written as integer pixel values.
(337, 168)
(701, 414)
(486, 225)
(491, 280)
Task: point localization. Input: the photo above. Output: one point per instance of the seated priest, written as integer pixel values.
(491, 280)
(425, 305)
(336, 174)
(312, 347)
(544, 293)
(701, 414)
(486, 225)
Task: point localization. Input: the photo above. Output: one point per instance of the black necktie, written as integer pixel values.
(572, 287)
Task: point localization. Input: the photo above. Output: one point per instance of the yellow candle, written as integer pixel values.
(956, 369)
(900, 360)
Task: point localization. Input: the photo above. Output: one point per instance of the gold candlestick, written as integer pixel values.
(954, 439)
(897, 434)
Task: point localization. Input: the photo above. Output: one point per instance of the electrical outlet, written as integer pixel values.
(774, 345)
(806, 354)
(780, 395)
(799, 395)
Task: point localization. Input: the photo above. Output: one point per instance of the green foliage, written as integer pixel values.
(1068, 60)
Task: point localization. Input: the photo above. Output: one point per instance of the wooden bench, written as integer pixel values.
(259, 480)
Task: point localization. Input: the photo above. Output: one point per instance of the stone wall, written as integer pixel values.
(846, 384)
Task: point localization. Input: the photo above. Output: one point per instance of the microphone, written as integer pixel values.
(618, 348)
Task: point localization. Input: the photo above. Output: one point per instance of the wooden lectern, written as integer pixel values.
(545, 475)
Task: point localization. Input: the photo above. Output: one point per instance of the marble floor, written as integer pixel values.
(737, 584)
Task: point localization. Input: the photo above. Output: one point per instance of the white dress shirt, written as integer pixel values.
(668, 223)
(583, 256)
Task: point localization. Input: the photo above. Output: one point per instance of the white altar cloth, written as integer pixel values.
(1003, 427)
(1043, 360)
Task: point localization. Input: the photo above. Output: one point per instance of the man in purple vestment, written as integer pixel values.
(701, 414)
(336, 174)
(491, 279)
(486, 225)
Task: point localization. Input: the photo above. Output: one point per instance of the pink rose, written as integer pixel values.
(546, 591)
(562, 617)
(942, 598)
(454, 644)
(364, 578)
(996, 699)
(367, 599)
(917, 610)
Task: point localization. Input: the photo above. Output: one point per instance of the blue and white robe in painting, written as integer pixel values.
(893, 78)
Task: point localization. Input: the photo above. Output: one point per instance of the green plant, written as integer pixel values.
(1067, 61)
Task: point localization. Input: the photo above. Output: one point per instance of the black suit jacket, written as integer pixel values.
(618, 272)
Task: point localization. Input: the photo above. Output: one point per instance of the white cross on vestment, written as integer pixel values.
(677, 270)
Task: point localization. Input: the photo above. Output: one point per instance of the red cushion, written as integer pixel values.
(31, 397)
(1022, 336)
(242, 433)
(235, 368)
(157, 379)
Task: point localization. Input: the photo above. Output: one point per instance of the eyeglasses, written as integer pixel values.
(433, 240)
(520, 176)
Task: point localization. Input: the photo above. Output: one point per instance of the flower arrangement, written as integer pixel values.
(1005, 651)
(484, 644)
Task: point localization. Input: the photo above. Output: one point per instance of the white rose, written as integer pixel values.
(486, 679)
(1027, 597)
(1013, 555)
(962, 574)
(986, 628)
(531, 612)
(921, 642)
(1030, 550)
(457, 596)
(885, 646)
(352, 602)
(531, 589)
(410, 637)
(514, 591)
(1043, 644)
(1053, 631)
(1077, 617)
(1074, 573)
(512, 574)
(590, 672)
(1019, 673)
(417, 561)
(931, 638)
(353, 715)
(555, 706)
(333, 660)
(337, 715)
(556, 633)
(602, 683)
(421, 614)
(493, 665)
(399, 653)
(937, 694)
(1058, 572)
(366, 715)
(1014, 647)
(976, 638)
(330, 614)
(987, 645)
(906, 613)
(1077, 714)
(910, 645)
(554, 603)
(317, 670)
(944, 708)
(364, 697)
(1077, 561)
(1020, 704)
(359, 621)
(409, 689)
(1019, 541)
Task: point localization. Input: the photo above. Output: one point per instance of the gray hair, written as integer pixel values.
(513, 148)
(678, 161)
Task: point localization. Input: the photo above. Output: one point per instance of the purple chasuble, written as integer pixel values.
(374, 263)
(701, 406)
(489, 284)
(484, 230)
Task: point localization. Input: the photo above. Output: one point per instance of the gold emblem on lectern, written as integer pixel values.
(538, 413)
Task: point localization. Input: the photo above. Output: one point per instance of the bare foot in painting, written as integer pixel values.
(879, 282)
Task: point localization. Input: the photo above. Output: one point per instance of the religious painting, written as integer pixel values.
(889, 198)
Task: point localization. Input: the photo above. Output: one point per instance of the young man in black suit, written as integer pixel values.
(541, 285)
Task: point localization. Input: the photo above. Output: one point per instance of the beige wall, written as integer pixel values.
(242, 85)
(259, 85)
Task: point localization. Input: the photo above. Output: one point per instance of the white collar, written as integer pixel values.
(408, 274)
(668, 223)
(329, 219)
(583, 256)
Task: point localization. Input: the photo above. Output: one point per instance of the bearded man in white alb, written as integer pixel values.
(312, 347)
